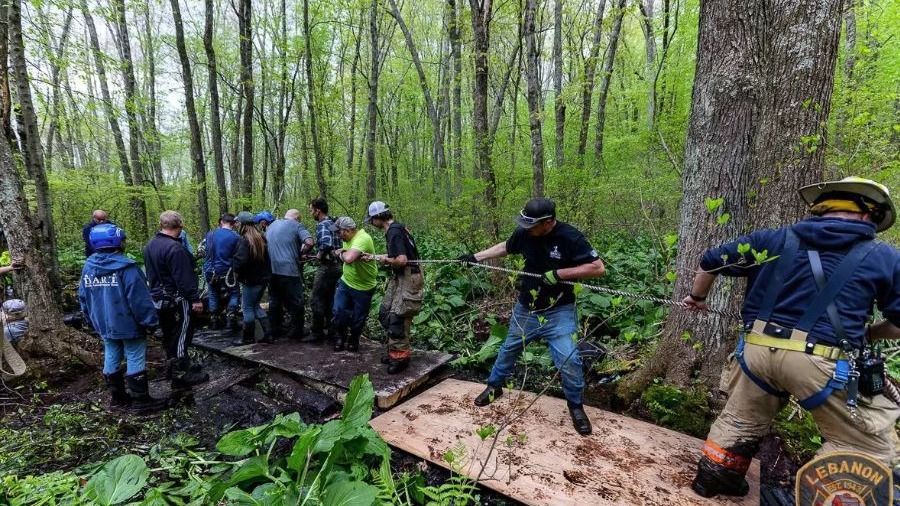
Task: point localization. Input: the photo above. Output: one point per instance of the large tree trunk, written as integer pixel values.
(131, 108)
(849, 79)
(535, 101)
(215, 122)
(154, 143)
(246, 50)
(456, 100)
(646, 8)
(587, 90)
(481, 30)
(352, 127)
(311, 104)
(199, 165)
(374, 68)
(559, 102)
(761, 86)
(56, 55)
(606, 80)
(31, 144)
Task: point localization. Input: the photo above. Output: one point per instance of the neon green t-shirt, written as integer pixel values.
(361, 275)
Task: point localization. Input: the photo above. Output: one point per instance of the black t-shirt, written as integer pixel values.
(565, 246)
(400, 242)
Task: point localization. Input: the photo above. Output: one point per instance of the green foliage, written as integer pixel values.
(117, 481)
(799, 432)
(684, 410)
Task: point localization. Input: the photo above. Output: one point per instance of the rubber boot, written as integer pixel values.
(397, 365)
(141, 400)
(234, 322)
(488, 396)
(267, 331)
(338, 339)
(713, 479)
(353, 343)
(248, 330)
(580, 420)
(184, 376)
(317, 330)
(217, 321)
(298, 330)
(115, 383)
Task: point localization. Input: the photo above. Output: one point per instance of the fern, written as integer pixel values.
(457, 491)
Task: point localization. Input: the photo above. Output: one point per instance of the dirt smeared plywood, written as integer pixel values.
(320, 367)
(539, 459)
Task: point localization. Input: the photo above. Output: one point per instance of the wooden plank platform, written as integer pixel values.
(540, 459)
(319, 367)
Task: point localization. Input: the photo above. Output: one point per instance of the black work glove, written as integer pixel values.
(468, 258)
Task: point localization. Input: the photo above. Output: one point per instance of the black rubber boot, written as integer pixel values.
(397, 366)
(266, 330)
(298, 328)
(580, 420)
(338, 337)
(247, 332)
(141, 400)
(234, 321)
(713, 479)
(353, 343)
(185, 376)
(217, 322)
(115, 383)
(490, 393)
(317, 330)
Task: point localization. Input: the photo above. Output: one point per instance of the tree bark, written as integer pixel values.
(481, 25)
(151, 131)
(215, 121)
(374, 69)
(587, 90)
(55, 55)
(234, 164)
(197, 161)
(131, 107)
(246, 50)
(352, 136)
(311, 104)
(646, 7)
(606, 80)
(559, 102)
(535, 101)
(32, 149)
(848, 69)
(456, 100)
(762, 92)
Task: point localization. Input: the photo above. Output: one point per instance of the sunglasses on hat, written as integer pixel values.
(531, 221)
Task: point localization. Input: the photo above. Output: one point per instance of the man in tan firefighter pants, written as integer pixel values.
(805, 315)
(405, 289)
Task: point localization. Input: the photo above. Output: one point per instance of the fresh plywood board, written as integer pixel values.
(320, 367)
(539, 459)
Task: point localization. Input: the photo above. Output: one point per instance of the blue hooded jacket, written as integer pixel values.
(221, 244)
(875, 281)
(114, 296)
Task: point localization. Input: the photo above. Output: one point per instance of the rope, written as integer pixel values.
(595, 288)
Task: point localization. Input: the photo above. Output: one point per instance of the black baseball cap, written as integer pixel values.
(535, 211)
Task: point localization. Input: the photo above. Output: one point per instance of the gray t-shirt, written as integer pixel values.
(285, 238)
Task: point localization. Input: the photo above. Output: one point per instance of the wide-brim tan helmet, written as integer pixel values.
(876, 192)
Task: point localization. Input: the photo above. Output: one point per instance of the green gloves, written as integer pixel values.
(550, 278)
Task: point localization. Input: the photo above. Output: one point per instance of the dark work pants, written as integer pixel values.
(177, 327)
(286, 292)
(322, 297)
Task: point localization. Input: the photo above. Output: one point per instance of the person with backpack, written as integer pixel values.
(253, 270)
(114, 297)
(405, 288)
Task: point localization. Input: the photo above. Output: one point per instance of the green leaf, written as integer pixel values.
(238, 443)
(239, 497)
(486, 431)
(118, 480)
(670, 240)
(670, 276)
(743, 248)
(456, 301)
(358, 404)
(330, 434)
(713, 204)
(252, 468)
(350, 493)
(302, 448)
(288, 425)
(723, 219)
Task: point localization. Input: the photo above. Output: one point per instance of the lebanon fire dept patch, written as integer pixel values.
(844, 479)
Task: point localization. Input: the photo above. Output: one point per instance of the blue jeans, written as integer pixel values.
(134, 351)
(216, 289)
(250, 297)
(351, 307)
(559, 327)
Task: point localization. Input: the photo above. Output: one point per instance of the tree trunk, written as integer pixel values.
(234, 164)
(215, 122)
(54, 132)
(311, 104)
(131, 108)
(481, 24)
(590, 70)
(154, 143)
(606, 79)
(352, 135)
(456, 114)
(535, 102)
(374, 69)
(646, 7)
(849, 79)
(5, 95)
(559, 102)
(32, 150)
(780, 57)
(198, 163)
(246, 50)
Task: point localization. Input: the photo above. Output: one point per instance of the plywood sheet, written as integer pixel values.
(538, 457)
(318, 366)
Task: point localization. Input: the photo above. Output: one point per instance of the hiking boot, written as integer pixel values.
(184, 375)
(247, 332)
(115, 383)
(713, 479)
(267, 331)
(141, 400)
(580, 420)
(353, 344)
(217, 322)
(490, 393)
(386, 359)
(396, 366)
(234, 322)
